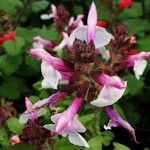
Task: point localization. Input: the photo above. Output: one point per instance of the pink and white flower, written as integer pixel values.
(66, 123)
(116, 120)
(51, 76)
(54, 69)
(15, 140)
(35, 110)
(31, 113)
(138, 62)
(51, 15)
(112, 90)
(42, 43)
(98, 35)
(63, 43)
(73, 23)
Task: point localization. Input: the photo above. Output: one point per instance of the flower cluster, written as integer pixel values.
(94, 59)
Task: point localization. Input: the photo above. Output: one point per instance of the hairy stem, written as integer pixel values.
(96, 121)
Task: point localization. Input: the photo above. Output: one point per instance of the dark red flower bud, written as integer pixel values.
(124, 4)
(102, 23)
(133, 52)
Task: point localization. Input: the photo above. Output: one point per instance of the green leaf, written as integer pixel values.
(32, 64)
(119, 110)
(95, 143)
(14, 47)
(38, 6)
(34, 98)
(9, 90)
(20, 147)
(107, 137)
(50, 34)
(77, 10)
(136, 26)
(11, 6)
(85, 119)
(37, 86)
(135, 117)
(12, 88)
(9, 64)
(118, 146)
(14, 125)
(144, 44)
(3, 137)
(133, 12)
(64, 144)
(134, 86)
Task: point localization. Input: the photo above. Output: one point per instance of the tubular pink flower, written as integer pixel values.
(91, 23)
(57, 63)
(51, 76)
(29, 105)
(50, 100)
(115, 81)
(51, 15)
(54, 10)
(78, 22)
(66, 123)
(116, 120)
(112, 90)
(138, 62)
(31, 113)
(98, 35)
(132, 39)
(42, 43)
(63, 43)
(15, 140)
(137, 57)
(68, 114)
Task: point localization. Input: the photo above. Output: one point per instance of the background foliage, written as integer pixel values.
(20, 73)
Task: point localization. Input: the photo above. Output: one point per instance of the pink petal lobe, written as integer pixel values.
(57, 63)
(54, 10)
(91, 23)
(68, 115)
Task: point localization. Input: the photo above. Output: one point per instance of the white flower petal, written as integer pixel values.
(76, 125)
(38, 45)
(107, 127)
(56, 117)
(50, 127)
(79, 33)
(139, 67)
(102, 37)
(108, 96)
(46, 16)
(61, 45)
(71, 20)
(24, 118)
(51, 76)
(105, 53)
(41, 112)
(76, 139)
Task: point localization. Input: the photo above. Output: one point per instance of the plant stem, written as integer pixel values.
(96, 121)
(143, 8)
(26, 3)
